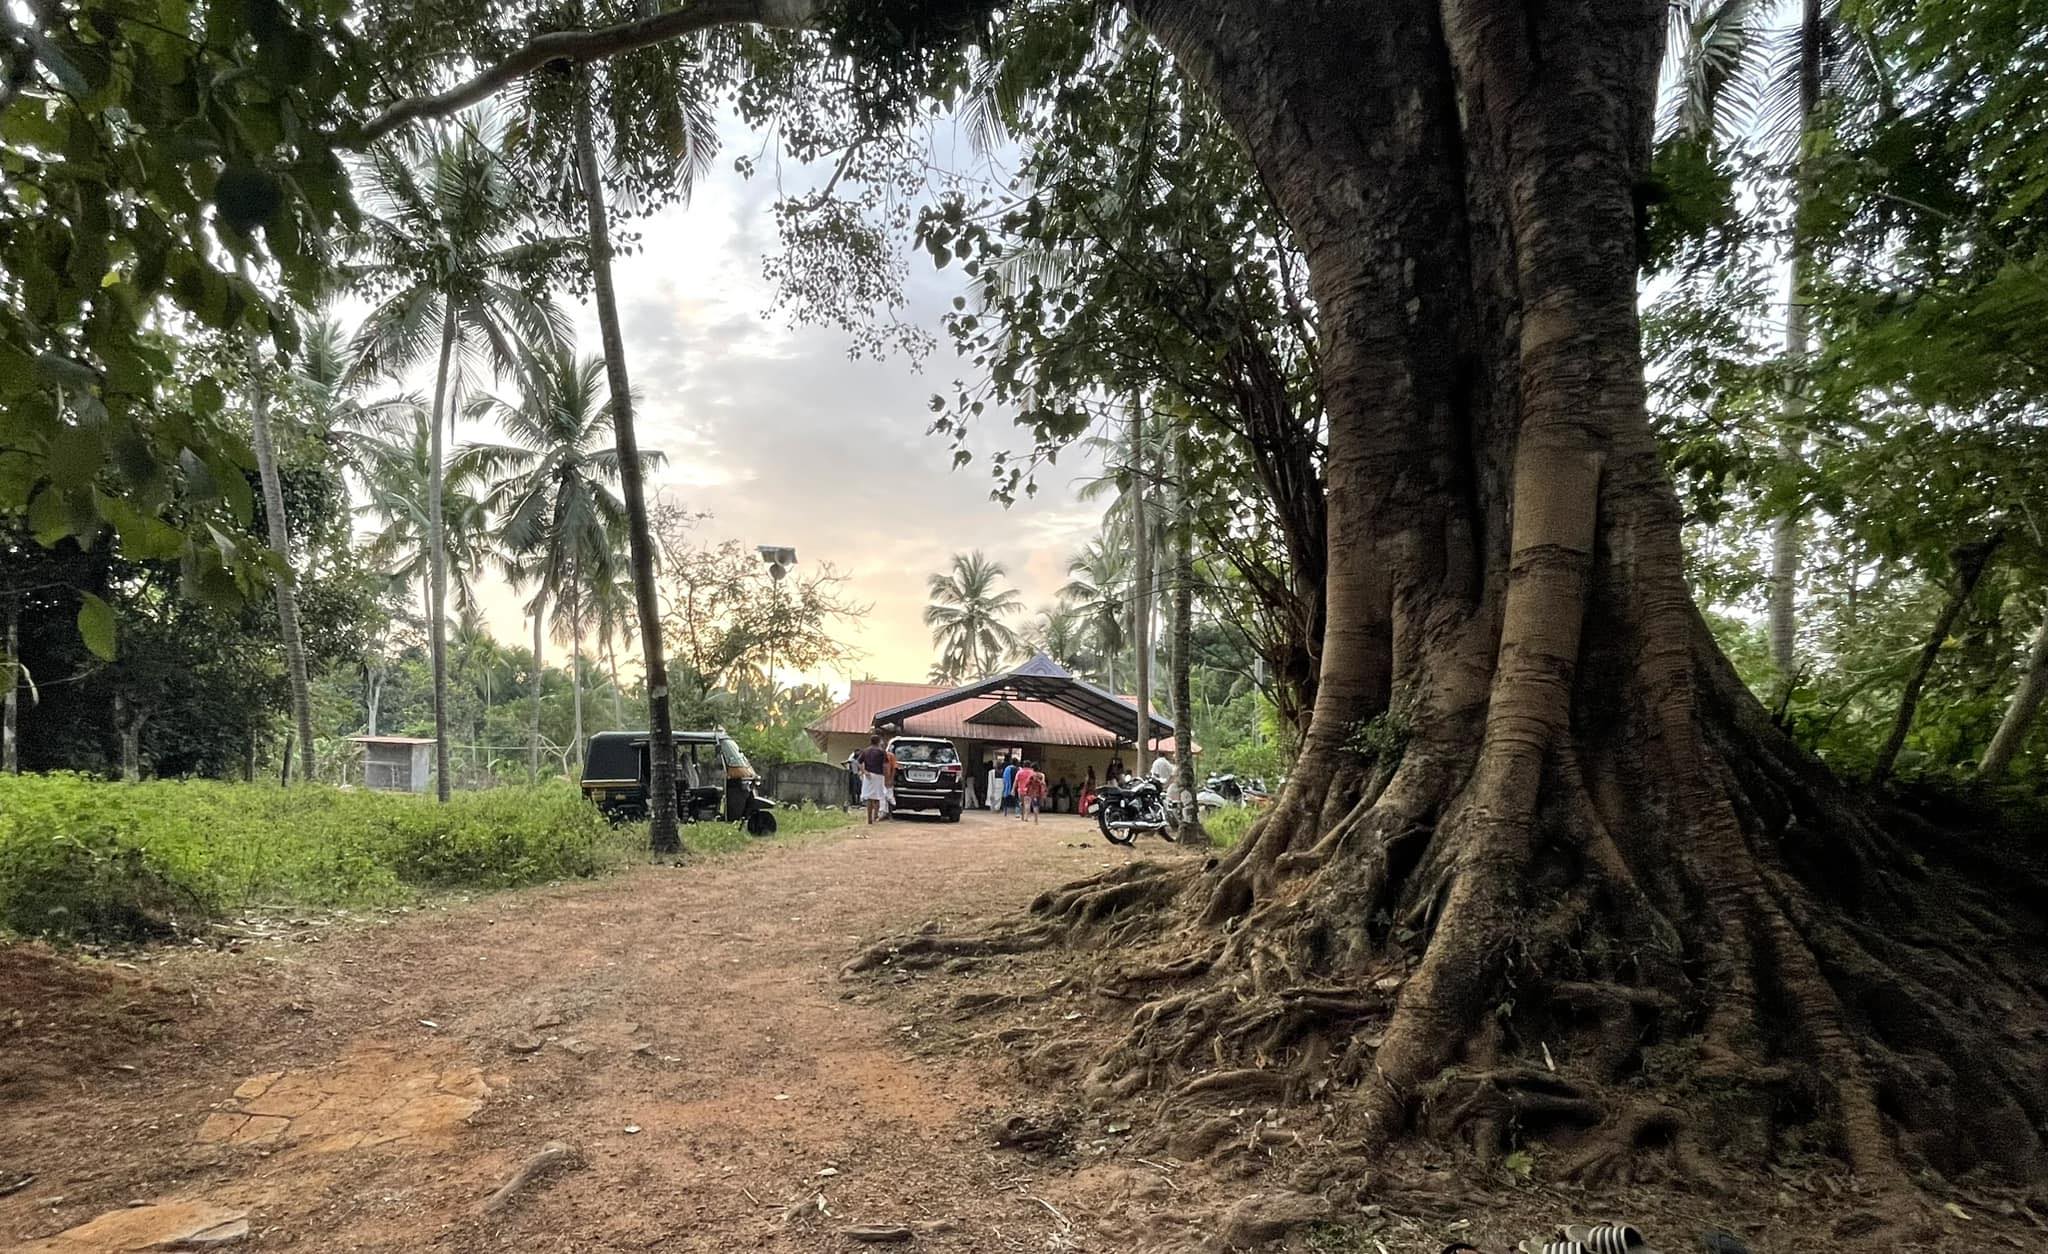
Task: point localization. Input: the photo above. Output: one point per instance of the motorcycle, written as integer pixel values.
(1132, 806)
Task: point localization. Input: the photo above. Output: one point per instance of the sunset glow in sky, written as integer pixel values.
(784, 440)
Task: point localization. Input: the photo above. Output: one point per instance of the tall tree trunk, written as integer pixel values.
(663, 836)
(1969, 563)
(437, 559)
(279, 528)
(1787, 531)
(540, 675)
(1141, 591)
(2019, 713)
(10, 701)
(576, 654)
(1534, 803)
(1181, 642)
(373, 684)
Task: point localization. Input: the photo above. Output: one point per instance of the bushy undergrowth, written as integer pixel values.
(84, 857)
(1228, 824)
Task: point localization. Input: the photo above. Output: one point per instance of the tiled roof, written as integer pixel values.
(856, 715)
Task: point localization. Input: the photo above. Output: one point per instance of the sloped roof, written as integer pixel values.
(1042, 680)
(914, 708)
(1003, 714)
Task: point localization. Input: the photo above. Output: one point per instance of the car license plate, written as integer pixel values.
(924, 777)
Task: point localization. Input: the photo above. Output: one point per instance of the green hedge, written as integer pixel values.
(85, 857)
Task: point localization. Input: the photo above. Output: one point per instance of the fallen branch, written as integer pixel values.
(880, 1234)
(552, 1155)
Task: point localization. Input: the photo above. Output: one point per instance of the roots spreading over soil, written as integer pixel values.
(1645, 1002)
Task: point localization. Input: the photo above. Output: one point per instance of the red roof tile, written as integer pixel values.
(856, 715)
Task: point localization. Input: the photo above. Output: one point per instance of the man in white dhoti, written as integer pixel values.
(874, 780)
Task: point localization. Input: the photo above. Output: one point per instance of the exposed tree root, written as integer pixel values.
(1641, 1027)
(929, 949)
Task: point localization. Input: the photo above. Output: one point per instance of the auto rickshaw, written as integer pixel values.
(714, 780)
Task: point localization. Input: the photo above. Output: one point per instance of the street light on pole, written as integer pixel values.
(779, 558)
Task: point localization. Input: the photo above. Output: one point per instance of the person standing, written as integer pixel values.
(1009, 788)
(993, 797)
(888, 781)
(852, 779)
(1034, 791)
(874, 767)
(1024, 774)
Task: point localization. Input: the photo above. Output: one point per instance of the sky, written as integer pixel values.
(782, 439)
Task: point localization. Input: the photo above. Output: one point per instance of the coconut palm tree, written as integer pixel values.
(1100, 590)
(685, 135)
(617, 620)
(967, 616)
(399, 487)
(446, 245)
(552, 488)
(1061, 633)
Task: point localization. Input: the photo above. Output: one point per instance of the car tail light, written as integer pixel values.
(954, 769)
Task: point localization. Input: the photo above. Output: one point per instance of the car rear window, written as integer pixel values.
(925, 751)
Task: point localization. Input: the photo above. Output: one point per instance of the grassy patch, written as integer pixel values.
(1228, 825)
(84, 857)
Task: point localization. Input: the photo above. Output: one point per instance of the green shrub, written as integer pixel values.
(85, 857)
(1228, 825)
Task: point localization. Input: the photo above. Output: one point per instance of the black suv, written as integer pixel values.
(713, 779)
(928, 776)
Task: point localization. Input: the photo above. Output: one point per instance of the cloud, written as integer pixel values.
(784, 439)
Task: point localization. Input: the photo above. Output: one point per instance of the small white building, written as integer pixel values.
(397, 763)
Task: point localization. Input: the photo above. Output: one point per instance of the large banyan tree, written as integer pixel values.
(1544, 859)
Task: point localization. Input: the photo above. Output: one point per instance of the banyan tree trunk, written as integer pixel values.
(1536, 818)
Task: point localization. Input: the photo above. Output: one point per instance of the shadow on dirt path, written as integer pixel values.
(366, 1088)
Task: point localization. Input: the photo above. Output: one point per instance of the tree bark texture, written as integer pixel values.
(662, 834)
(437, 559)
(2019, 713)
(1534, 804)
(279, 528)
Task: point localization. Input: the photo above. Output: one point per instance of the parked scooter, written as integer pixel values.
(1228, 791)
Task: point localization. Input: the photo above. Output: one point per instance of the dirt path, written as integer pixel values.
(364, 1088)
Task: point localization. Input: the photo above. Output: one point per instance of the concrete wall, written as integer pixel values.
(820, 783)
